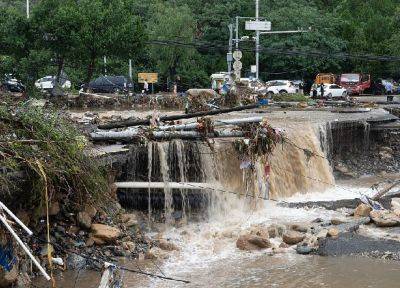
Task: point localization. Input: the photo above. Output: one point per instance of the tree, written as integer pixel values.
(107, 28)
(56, 25)
(172, 23)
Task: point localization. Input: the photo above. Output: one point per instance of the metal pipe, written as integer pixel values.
(4, 207)
(44, 273)
(162, 185)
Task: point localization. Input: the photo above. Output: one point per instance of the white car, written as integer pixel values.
(281, 87)
(48, 82)
(330, 91)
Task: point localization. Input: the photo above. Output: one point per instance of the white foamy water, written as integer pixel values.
(211, 244)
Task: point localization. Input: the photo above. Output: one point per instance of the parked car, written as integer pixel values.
(110, 84)
(280, 87)
(12, 84)
(330, 91)
(355, 83)
(49, 82)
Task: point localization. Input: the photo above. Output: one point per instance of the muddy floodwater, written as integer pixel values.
(286, 271)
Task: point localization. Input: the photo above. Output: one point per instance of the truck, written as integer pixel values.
(355, 83)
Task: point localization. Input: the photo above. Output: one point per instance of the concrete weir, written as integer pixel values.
(185, 175)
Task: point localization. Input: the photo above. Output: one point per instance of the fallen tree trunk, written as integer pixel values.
(130, 123)
(130, 135)
(216, 123)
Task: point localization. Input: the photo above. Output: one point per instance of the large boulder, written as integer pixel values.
(105, 232)
(292, 237)
(84, 220)
(384, 218)
(362, 210)
(129, 220)
(252, 242)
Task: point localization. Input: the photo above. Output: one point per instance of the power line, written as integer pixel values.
(208, 46)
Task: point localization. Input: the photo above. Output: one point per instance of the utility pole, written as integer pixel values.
(257, 41)
(27, 9)
(229, 56)
(130, 69)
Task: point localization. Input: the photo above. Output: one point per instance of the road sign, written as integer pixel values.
(237, 65)
(258, 25)
(149, 77)
(237, 55)
(253, 68)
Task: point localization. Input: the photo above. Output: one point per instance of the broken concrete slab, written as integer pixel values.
(355, 244)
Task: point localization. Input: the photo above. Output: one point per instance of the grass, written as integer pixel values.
(47, 150)
(289, 98)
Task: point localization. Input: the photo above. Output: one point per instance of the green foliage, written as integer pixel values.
(76, 35)
(290, 98)
(50, 154)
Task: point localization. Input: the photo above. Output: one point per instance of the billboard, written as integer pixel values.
(149, 77)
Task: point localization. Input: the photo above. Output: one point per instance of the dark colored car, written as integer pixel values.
(11, 84)
(110, 84)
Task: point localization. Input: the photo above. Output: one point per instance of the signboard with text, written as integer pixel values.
(258, 25)
(148, 77)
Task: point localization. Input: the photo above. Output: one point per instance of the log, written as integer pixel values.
(130, 135)
(385, 190)
(216, 123)
(162, 185)
(131, 123)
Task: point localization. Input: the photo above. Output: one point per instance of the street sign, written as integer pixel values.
(229, 57)
(237, 65)
(237, 55)
(258, 25)
(253, 68)
(149, 77)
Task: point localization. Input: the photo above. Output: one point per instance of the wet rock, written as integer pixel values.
(129, 246)
(252, 242)
(317, 220)
(156, 253)
(395, 204)
(91, 211)
(84, 220)
(89, 242)
(167, 245)
(75, 262)
(73, 229)
(105, 232)
(384, 218)
(98, 241)
(386, 153)
(272, 232)
(333, 232)
(341, 168)
(322, 234)
(300, 227)
(284, 245)
(260, 231)
(362, 210)
(304, 249)
(292, 237)
(337, 221)
(129, 220)
(353, 226)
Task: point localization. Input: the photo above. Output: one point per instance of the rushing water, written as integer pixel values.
(208, 256)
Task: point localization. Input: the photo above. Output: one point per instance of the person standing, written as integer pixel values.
(145, 86)
(322, 90)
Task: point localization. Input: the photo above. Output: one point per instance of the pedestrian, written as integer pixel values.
(145, 86)
(322, 90)
(314, 91)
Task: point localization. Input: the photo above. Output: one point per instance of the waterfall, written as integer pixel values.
(289, 170)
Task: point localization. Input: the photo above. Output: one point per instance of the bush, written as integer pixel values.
(48, 152)
(289, 98)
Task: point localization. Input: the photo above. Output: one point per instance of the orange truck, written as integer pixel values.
(325, 78)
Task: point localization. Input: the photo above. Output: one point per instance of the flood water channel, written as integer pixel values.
(208, 256)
